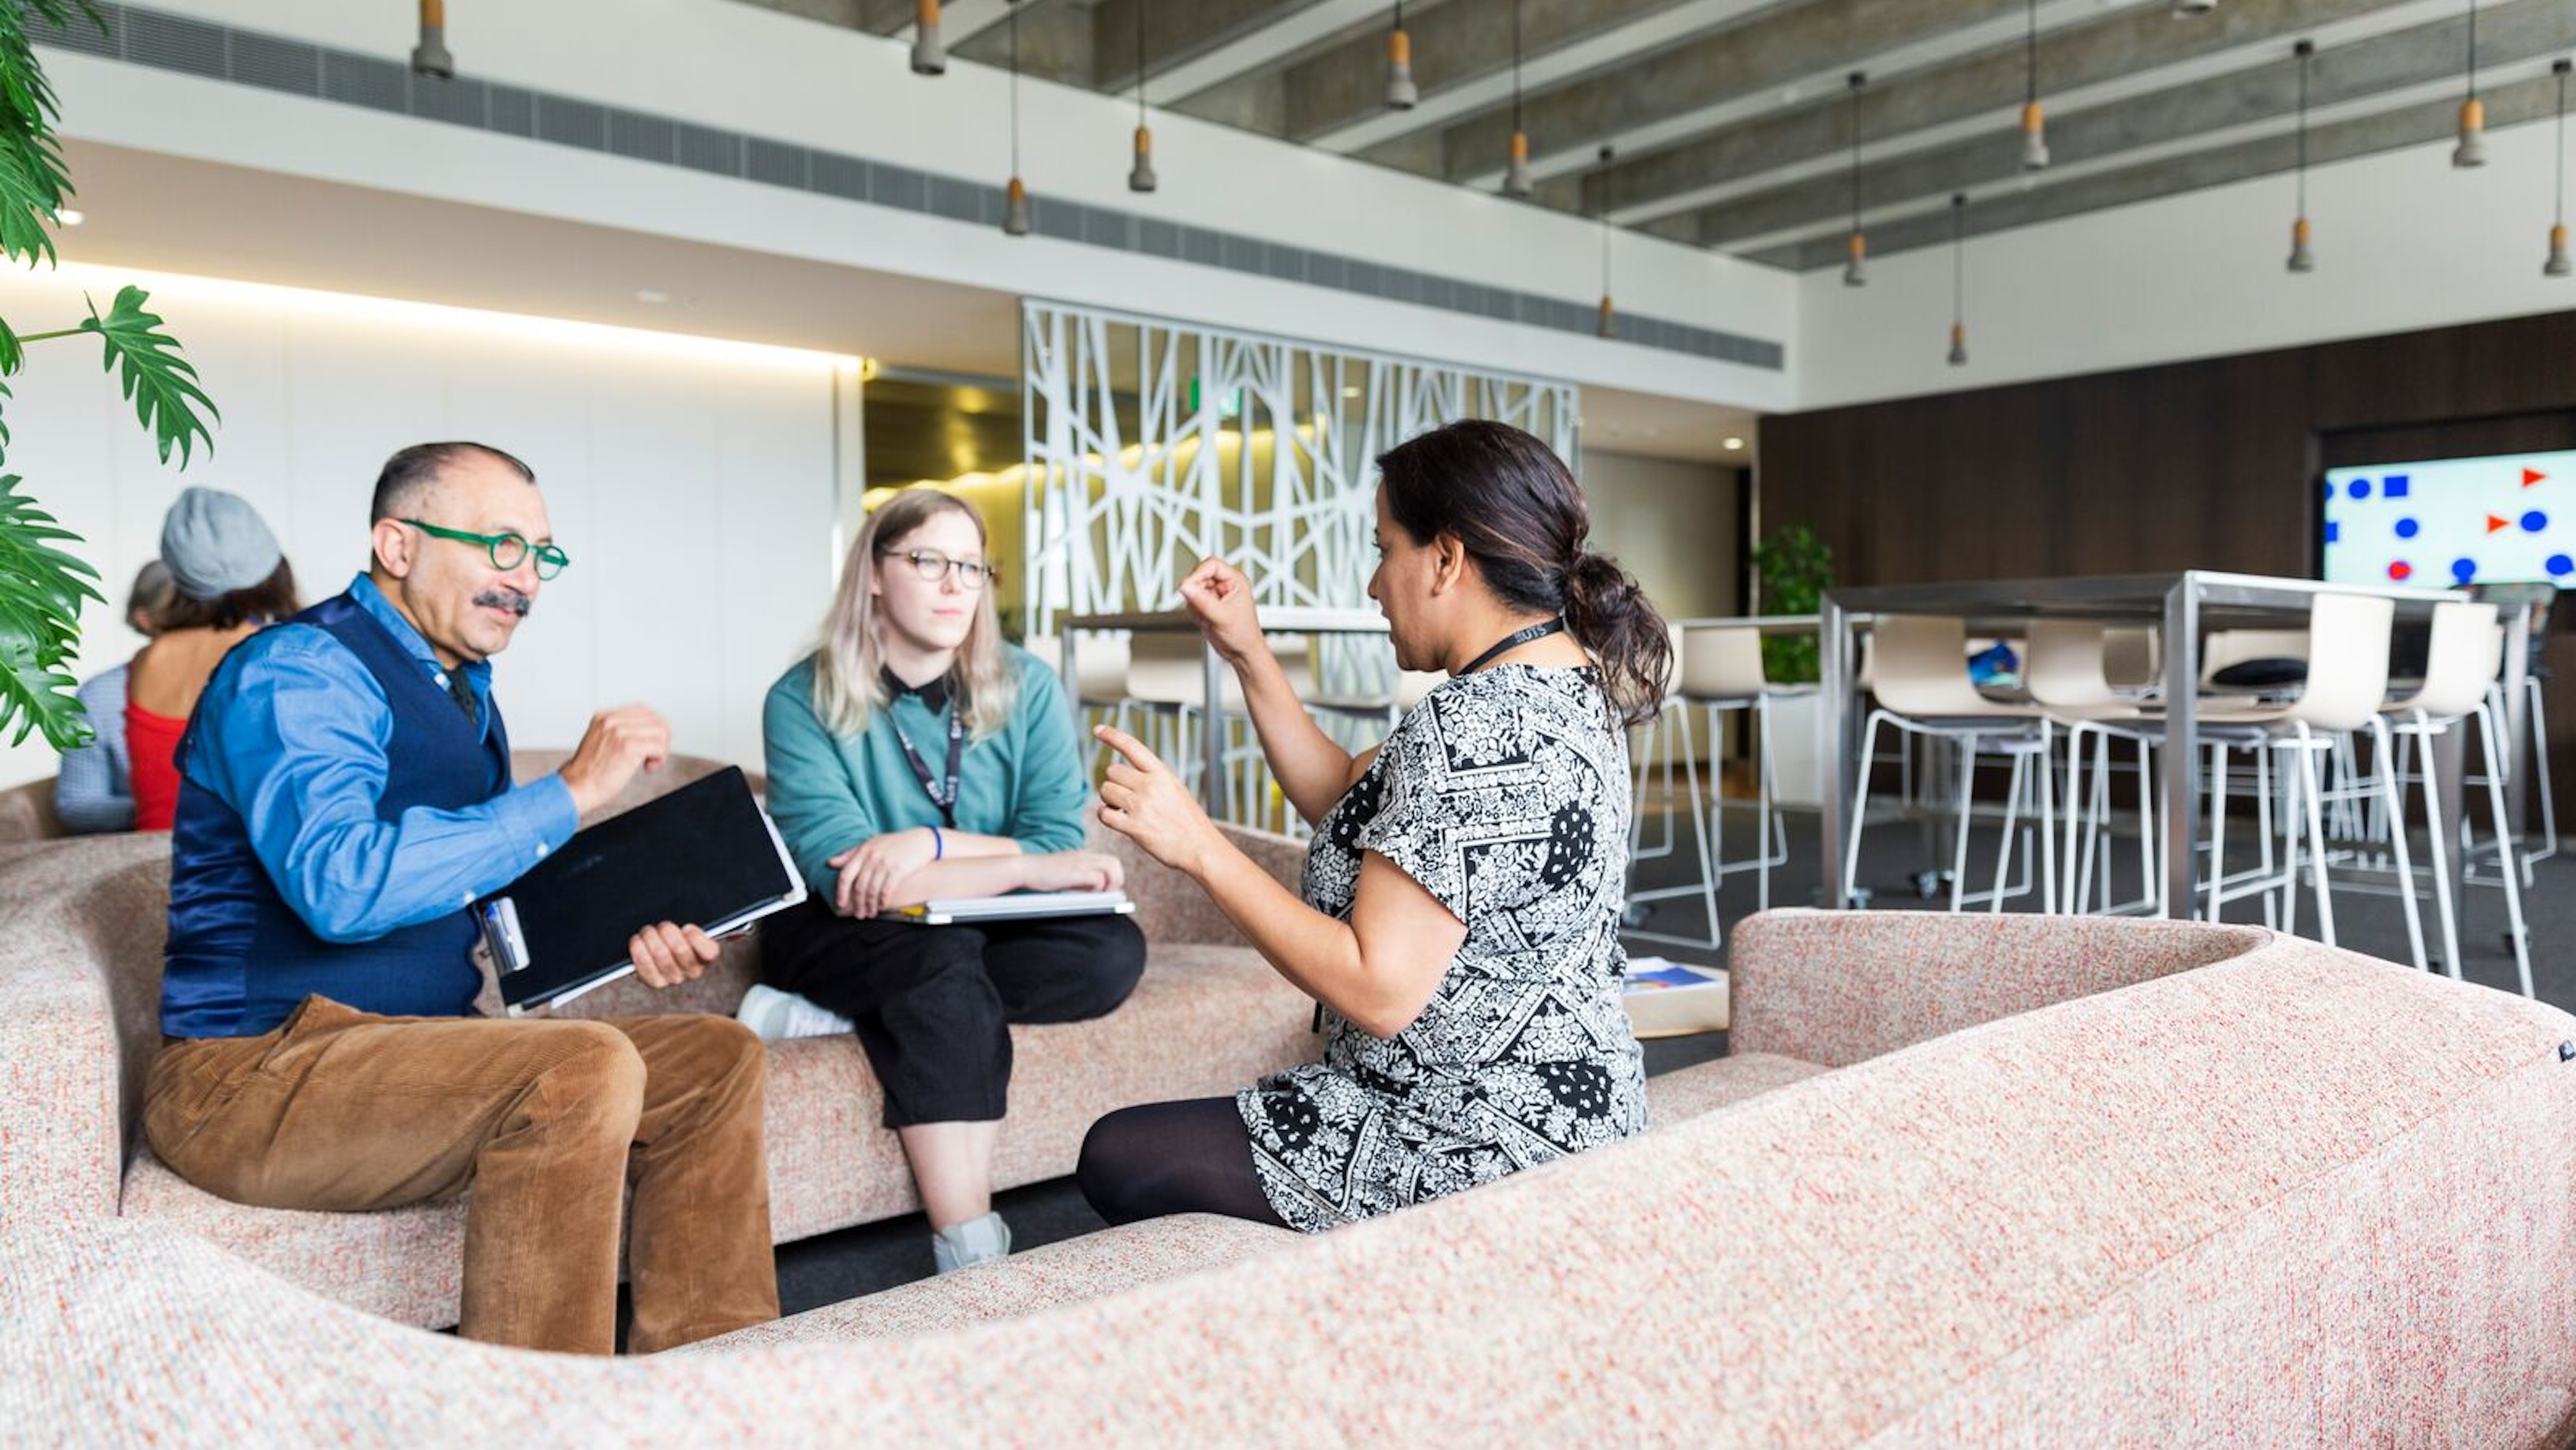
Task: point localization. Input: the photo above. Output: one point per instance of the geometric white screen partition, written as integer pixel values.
(1154, 443)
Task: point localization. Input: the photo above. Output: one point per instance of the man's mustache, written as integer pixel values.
(509, 599)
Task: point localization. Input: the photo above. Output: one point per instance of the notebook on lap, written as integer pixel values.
(703, 855)
(1018, 906)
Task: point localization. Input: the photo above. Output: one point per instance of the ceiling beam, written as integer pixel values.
(1781, 58)
(1296, 29)
(2414, 115)
(1979, 97)
(1462, 60)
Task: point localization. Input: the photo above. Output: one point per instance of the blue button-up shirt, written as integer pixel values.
(298, 749)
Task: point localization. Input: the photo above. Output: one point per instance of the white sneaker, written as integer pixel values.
(964, 1245)
(778, 1016)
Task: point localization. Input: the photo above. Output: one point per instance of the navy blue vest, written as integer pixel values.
(239, 958)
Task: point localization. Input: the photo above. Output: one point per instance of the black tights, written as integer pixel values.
(1165, 1158)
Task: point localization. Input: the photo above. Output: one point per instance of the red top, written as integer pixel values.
(152, 751)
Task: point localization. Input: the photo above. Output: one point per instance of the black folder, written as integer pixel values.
(703, 855)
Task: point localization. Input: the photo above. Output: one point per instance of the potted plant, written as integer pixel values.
(1794, 568)
(41, 585)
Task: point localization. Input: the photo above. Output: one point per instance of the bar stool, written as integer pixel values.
(2068, 675)
(1923, 689)
(2459, 667)
(2347, 682)
(1722, 671)
(1667, 740)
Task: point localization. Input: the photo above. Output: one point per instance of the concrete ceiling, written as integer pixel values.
(1732, 122)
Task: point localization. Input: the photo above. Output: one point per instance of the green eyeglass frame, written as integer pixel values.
(508, 551)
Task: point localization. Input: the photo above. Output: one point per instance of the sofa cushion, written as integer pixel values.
(406, 1264)
(1688, 1092)
(1204, 1021)
(1049, 1277)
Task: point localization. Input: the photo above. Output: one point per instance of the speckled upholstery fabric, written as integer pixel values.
(80, 975)
(2293, 1199)
(27, 813)
(1073, 1271)
(1835, 988)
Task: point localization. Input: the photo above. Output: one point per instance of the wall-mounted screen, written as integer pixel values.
(2444, 523)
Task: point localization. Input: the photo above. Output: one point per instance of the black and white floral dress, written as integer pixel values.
(1506, 794)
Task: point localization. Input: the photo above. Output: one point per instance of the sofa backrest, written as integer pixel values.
(1836, 988)
(27, 813)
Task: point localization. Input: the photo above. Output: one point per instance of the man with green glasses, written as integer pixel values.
(345, 792)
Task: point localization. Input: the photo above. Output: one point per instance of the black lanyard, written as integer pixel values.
(1513, 642)
(942, 794)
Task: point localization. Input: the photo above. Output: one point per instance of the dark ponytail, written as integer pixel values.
(1508, 499)
(1610, 614)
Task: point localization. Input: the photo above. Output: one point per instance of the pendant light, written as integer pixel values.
(1958, 279)
(1602, 184)
(2558, 265)
(929, 57)
(1516, 175)
(2472, 150)
(430, 57)
(1400, 94)
(1015, 197)
(1141, 176)
(2301, 260)
(2034, 121)
(1856, 271)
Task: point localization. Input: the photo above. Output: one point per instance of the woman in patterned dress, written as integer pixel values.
(1460, 915)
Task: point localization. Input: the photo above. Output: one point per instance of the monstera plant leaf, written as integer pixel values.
(41, 589)
(159, 382)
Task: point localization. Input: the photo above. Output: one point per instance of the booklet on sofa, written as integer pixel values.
(1017, 906)
(1673, 999)
(703, 855)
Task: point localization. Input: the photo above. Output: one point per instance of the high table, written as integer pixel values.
(2184, 604)
(1275, 619)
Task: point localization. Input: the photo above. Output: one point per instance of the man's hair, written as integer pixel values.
(408, 474)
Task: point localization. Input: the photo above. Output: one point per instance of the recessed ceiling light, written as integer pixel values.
(1350, 392)
(1734, 443)
(653, 295)
(71, 218)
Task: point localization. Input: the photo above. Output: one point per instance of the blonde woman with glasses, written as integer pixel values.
(914, 755)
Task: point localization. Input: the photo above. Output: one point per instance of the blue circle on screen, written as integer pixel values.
(2358, 488)
(2534, 521)
(2560, 566)
(2464, 569)
(2408, 528)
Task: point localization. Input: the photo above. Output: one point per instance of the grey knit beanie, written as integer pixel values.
(215, 543)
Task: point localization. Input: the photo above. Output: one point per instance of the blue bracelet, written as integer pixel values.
(938, 845)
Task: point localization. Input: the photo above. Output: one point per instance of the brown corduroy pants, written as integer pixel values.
(547, 1121)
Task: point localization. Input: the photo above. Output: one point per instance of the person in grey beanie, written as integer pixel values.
(230, 580)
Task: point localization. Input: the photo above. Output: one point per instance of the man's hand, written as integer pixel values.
(1075, 871)
(666, 955)
(1221, 597)
(618, 743)
(872, 869)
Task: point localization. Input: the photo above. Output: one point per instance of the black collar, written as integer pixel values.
(933, 693)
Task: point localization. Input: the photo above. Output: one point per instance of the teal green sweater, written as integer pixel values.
(827, 793)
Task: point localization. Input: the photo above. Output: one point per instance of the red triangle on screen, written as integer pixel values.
(2531, 476)
(2497, 525)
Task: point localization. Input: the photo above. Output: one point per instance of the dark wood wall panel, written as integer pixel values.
(2204, 464)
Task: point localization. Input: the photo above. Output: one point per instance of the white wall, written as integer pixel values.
(1674, 525)
(691, 482)
(2402, 240)
(752, 69)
